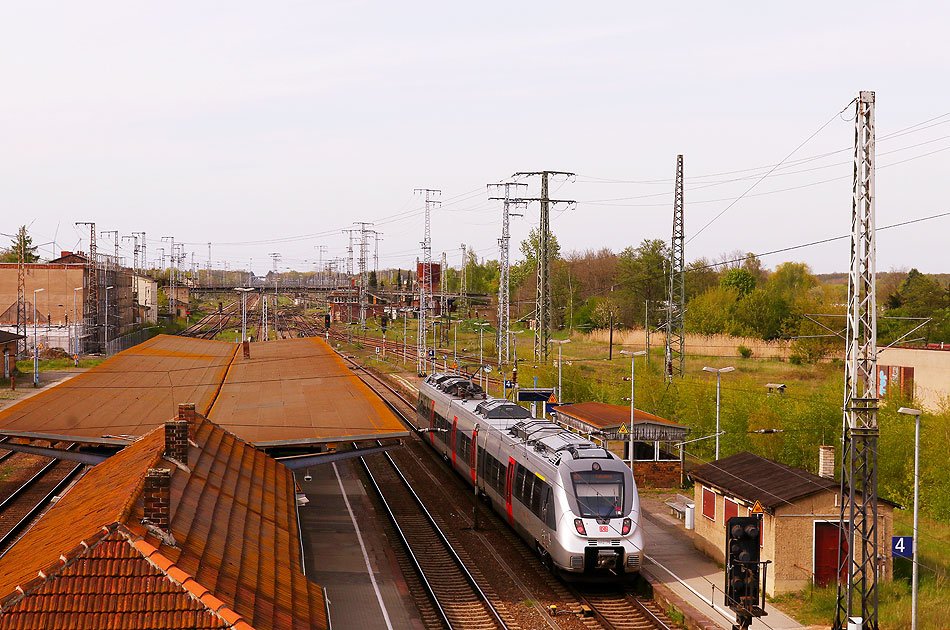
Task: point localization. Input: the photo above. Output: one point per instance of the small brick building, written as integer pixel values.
(799, 527)
(656, 461)
(8, 344)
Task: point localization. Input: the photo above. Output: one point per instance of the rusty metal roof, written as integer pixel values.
(298, 391)
(605, 416)
(292, 391)
(236, 547)
(128, 394)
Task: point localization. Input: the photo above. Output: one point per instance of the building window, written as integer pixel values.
(709, 504)
(729, 509)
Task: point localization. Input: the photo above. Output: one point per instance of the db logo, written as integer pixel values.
(603, 529)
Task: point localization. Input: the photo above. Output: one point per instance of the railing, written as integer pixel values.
(114, 346)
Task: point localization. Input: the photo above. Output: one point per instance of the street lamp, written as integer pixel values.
(107, 318)
(718, 372)
(455, 339)
(913, 602)
(633, 362)
(243, 291)
(36, 352)
(559, 342)
(75, 321)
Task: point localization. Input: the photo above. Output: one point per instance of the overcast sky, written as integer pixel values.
(271, 126)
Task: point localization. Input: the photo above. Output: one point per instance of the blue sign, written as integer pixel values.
(431, 353)
(902, 546)
(509, 384)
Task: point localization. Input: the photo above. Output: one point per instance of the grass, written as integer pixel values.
(52, 365)
(818, 605)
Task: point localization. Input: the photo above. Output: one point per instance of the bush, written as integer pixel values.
(744, 352)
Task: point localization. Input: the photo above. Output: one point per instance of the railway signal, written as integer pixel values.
(744, 571)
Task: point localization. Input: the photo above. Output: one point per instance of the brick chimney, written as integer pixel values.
(176, 440)
(157, 496)
(826, 462)
(247, 349)
(186, 413)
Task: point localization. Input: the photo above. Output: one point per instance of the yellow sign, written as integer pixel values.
(552, 399)
(757, 508)
(623, 428)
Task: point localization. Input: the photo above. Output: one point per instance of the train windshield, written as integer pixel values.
(599, 493)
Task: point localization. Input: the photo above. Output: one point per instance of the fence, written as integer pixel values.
(125, 342)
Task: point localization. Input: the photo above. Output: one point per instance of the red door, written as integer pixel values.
(474, 455)
(455, 426)
(509, 482)
(826, 553)
(432, 423)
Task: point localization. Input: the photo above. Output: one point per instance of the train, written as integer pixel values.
(573, 501)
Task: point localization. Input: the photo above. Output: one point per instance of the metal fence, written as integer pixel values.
(125, 342)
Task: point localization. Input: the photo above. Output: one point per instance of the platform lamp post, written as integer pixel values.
(36, 351)
(243, 291)
(718, 372)
(76, 323)
(633, 362)
(559, 342)
(913, 598)
(455, 339)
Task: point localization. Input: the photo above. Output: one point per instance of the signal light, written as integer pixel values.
(579, 526)
(742, 562)
(627, 524)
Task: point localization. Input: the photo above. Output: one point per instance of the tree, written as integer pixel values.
(372, 280)
(701, 276)
(739, 279)
(21, 243)
(642, 277)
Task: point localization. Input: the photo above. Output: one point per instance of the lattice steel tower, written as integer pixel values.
(676, 304)
(425, 283)
(503, 339)
(543, 301)
(858, 597)
(91, 310)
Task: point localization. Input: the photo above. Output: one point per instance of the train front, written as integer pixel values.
(599, 529)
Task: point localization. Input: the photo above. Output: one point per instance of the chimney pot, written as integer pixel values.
(186, 413)
(156, 496)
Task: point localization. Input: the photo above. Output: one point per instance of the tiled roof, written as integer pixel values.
(756, 478)
(235, 549)
(603, 415)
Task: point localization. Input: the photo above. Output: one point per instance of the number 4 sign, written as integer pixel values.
(902, 546)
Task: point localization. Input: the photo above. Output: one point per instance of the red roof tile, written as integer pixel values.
(605, 416)
(236, 555)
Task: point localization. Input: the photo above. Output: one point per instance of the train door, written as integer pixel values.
(455, 426)
(474, 463)
(509, 483)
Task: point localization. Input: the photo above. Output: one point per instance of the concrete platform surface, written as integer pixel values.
(348, 556)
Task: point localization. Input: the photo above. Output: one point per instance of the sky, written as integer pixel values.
(271, 127)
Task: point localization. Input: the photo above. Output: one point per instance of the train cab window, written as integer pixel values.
(599, 493)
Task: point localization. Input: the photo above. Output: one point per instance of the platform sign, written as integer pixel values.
(757, 508)
(509, 384)
(902, 546)
(431, 353)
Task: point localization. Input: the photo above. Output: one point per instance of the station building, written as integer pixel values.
(800, 523)
(656, 460)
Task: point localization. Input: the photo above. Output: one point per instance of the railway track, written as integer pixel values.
(47, 478)
(460, 602)
(616, 608)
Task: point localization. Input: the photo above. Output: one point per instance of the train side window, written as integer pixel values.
(547, 507)
(518, 489)
(537, 488)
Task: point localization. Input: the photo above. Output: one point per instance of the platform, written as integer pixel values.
(360, 576)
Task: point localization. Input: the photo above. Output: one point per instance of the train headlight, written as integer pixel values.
(627, 524)
(579, 526)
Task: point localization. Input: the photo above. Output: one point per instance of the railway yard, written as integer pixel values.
(393, 539)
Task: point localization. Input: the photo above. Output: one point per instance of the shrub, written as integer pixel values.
(744, 352)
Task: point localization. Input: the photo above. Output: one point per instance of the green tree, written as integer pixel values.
(642, 276)
(741, 280)
(21, 243)
(709, 313)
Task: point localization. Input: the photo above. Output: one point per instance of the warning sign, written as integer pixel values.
(757, 508)
(552, 399)
(623, 428)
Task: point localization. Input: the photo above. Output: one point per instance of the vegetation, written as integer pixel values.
(22, 242)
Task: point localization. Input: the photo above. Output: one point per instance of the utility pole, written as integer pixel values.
(443, 303)
(349, 252)
(543, 318)
(425, 285)
(376, 240)
(91, 314)
(173, 294)
(676, 304)
(505, 190)
(21, 291)
(858, 597)
(363, 280)
(143, 260)
(210, 281)
(135, 250)
(463, 285)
